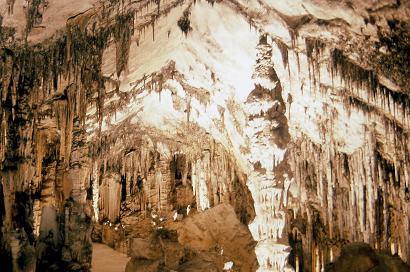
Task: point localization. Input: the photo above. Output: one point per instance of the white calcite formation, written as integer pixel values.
(295, 112)
(267, 131)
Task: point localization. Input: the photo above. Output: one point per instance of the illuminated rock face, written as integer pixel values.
(294, 112)
(268, 133)
(349, 177)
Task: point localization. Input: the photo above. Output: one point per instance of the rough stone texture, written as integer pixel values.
(200, 241)
(219, 228)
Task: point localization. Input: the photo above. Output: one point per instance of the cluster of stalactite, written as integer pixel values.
(45, 91)
(147, 176)
(346, 198)
(362, 90)
(363, 196)
(34, 12)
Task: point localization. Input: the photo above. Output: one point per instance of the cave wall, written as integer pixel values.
(45, 160)
(351, 169)
(304, 102)
(136, 175)
(57, 106)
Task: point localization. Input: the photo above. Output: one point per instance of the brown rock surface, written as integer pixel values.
(202, 241)
(360, 257)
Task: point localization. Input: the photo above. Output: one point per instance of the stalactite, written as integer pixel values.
(54, 82)
(155, 179)
(34, 13)
(284, 52)
(369, 183)
(124, 29)
(372, 174)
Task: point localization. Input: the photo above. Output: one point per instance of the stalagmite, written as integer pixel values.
(269, 191)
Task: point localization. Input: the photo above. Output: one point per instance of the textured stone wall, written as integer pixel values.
(44, 156)
(341, 193)
(160, 177)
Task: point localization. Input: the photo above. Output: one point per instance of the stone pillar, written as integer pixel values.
(76, 253)
(269, 137)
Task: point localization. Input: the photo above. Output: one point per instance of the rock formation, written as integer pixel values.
(203, 242)
(117, 115)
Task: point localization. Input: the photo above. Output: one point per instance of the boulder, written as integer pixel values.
(144, 249)
(360, 257)
(142, 265)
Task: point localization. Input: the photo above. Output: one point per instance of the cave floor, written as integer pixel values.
(106, 259)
